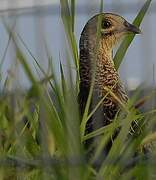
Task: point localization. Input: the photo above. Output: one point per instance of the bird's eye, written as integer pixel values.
(106, 24)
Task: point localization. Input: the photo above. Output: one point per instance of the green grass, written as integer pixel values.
(42, 137)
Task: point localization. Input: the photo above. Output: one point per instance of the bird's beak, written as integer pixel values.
(131, 28)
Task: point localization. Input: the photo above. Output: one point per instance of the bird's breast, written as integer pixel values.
(106, 76)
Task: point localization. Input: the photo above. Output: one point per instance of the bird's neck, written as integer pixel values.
(99, 58)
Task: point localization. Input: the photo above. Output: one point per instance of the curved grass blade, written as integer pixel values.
(127, 41)
(52, 116)
(68, 18)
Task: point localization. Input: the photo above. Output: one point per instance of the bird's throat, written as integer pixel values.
(98, 63)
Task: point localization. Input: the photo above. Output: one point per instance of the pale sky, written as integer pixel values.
(12, 4)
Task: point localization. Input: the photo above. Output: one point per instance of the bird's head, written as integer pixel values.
(112, 28)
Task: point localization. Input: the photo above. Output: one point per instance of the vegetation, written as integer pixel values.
(42, 135)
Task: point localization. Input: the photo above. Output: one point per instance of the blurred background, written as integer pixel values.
(39, 24)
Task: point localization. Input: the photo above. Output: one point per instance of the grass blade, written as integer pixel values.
(73, 14)
(127, 41)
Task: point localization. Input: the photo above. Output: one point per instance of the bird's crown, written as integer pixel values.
(111, 28)
(110, 23)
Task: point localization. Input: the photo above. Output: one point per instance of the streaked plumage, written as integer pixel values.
(96, 56)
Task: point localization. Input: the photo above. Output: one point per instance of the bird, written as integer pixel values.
(101, 34)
